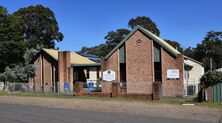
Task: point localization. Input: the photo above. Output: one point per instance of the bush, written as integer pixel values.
(210, 78)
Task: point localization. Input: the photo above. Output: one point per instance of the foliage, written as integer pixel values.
(31, 27)
(11, 52)
(20, 73)
(210, 78)
(29, 55)
(175, 44)
(189, 52)
(11, 39)
(210, 47)
(146, 23)
(40, 26)
(112, 39)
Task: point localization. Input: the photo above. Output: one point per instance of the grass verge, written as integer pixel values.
(174, 101)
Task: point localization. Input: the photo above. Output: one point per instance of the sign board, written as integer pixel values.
(173, 74)
(66, 86)
(1, 86)
(109, 75)
(91, 86)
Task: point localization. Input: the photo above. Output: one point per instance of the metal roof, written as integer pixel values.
(155, 38)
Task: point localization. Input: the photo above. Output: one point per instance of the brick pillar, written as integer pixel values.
(156, 90)
(65, 71)
(115, 89)
(180, 66)
(78, 88)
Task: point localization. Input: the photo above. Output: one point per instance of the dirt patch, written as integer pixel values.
(130, 107)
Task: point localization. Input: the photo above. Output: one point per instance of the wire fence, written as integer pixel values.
(18, 87)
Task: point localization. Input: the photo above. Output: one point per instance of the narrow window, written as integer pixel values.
(122, 65)
(157, 63)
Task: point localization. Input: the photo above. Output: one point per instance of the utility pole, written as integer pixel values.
(211, 64)
(210, 53)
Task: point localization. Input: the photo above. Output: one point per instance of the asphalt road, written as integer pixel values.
(32, 114)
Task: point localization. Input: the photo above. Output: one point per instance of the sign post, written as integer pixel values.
(91, 87)
(66, 86)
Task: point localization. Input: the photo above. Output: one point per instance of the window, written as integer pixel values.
(122, 65)
(157, 63)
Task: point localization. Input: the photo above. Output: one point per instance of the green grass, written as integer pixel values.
(211, 104)
(174, 101)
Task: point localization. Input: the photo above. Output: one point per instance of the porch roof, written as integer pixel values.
(75, 58)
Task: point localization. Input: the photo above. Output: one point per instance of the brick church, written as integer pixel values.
(143, 65)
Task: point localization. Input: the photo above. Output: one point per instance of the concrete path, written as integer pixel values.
(12, 113)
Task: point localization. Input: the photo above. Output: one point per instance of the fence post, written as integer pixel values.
(7, 88)
(58, 87)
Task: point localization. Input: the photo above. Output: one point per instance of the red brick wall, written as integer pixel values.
(110, 64)
(139, 67)
(139, 64)
(47, 74)
(43, 75)
(106, 87)
(172, 88)
(38, 77)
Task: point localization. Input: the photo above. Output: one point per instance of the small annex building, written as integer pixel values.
(193, 71)
(141, 61)
(54, 68)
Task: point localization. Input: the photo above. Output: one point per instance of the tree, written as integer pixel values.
(174, 44)
(146, 23)
(40, 26)
(21, 72)
(212, 44)
(112, 39)
(189, 52)
(11, 39)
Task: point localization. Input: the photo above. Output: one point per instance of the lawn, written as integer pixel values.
(174, 101)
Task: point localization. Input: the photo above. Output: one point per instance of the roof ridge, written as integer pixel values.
(157, 39)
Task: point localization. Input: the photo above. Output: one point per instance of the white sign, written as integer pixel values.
(109, 75)
(1, 86)
(173, 74)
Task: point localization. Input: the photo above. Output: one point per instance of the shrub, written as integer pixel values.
(210, 78)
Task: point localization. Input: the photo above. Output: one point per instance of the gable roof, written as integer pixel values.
(76, 59)
(186, 57)
(157, 39)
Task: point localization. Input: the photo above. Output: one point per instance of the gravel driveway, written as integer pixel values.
(128, 107)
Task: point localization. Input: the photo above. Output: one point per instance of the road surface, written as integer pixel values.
(12, 113)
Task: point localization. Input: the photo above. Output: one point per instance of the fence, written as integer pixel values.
(19, 87)
(216, 92)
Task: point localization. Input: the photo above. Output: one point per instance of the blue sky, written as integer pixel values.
(86, 22)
